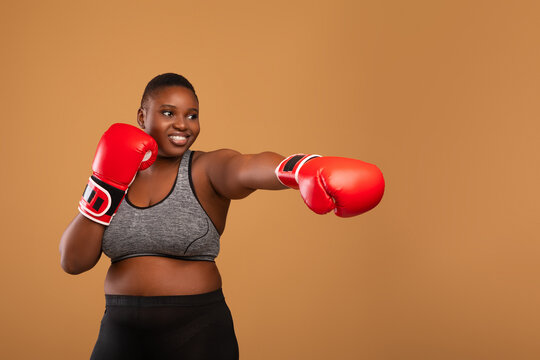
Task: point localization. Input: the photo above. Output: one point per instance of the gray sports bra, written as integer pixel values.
(176, 227)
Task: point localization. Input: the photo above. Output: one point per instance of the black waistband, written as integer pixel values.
(174, 300)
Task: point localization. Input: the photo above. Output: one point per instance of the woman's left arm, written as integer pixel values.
(349, 187)
(235, 175)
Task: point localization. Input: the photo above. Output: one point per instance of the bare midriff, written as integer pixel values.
(161, 276)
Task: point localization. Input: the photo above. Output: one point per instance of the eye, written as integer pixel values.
(167, 113)
(193, 116)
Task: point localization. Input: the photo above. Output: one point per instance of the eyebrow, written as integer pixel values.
(172, 106)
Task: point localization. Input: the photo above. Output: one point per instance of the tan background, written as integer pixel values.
(441, 95)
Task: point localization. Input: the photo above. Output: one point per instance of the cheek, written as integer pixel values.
(196, 128)
(156, 128)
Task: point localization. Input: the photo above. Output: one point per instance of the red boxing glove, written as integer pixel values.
(122, 151)
(350, 187)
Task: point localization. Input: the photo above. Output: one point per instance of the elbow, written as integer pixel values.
(69, 267)
(80, 245)
(70, 271)
(73, 266)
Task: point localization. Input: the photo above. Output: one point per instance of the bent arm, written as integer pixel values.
(235, 175)
(80, 245)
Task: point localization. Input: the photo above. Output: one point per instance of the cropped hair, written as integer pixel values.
(165, 80)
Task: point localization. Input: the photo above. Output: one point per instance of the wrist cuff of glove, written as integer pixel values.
(100, 200)
(287, 170)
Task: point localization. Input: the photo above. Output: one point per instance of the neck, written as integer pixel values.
(165, 162)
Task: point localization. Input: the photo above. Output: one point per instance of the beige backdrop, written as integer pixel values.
(442, 95)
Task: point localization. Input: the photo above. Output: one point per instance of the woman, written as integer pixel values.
(163, 288)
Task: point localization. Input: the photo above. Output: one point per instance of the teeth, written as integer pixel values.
(175, 137)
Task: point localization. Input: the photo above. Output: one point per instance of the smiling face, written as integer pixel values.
(171, 116)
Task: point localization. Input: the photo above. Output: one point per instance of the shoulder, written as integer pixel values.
(213, 158)
(215, 165)
(224, 170)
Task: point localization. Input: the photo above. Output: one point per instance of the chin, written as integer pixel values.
(171, 153)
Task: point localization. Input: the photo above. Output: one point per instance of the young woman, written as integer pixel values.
(163, 288)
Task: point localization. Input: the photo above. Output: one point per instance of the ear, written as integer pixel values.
(141, 115)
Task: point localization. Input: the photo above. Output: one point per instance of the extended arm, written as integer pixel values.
(347, 186)
(235, 175)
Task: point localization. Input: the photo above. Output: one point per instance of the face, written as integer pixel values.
(171, 117)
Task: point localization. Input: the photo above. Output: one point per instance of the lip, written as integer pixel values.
(178, 139)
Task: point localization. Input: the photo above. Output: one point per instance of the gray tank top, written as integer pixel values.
(176, 227)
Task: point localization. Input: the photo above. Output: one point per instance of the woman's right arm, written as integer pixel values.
(122, 151)
(80, 245)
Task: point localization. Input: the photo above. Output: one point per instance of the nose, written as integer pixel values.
(180, 123)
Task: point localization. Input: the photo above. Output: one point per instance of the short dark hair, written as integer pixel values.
(165, 80)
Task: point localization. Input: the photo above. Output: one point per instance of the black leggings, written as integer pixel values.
(166, 327)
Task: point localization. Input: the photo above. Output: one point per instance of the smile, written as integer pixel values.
(178, 140)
